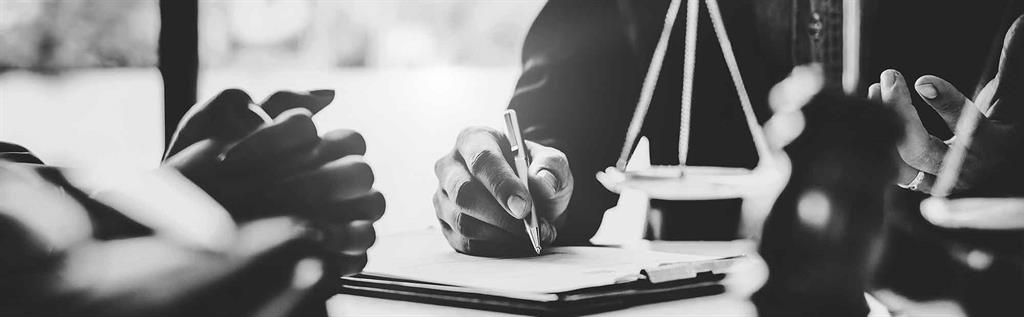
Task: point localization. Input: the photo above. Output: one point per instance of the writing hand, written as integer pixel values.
(480, 201)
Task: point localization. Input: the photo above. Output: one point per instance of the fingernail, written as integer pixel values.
(517, 205)
(889, 77)
(549, 179)
(928, 91)
(323, 93)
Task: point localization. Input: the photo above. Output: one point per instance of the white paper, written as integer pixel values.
(426, 257)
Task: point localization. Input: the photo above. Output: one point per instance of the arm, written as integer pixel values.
(580, 82)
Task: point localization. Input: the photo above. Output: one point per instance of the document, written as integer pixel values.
(426, 257)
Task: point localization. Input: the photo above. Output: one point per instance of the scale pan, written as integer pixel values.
(685, 182)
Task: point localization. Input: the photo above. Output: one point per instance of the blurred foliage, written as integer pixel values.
(50, 35)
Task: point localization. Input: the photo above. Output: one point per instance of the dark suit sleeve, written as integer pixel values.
(580, 82)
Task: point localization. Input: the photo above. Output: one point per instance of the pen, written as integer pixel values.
(515, 137)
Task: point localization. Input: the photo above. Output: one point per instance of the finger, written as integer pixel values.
(895, 94)
(975, 213)
(226, 116)
(547, 231)
(352, 238)
(344, 264)
(550, 168)
(919, 149)
(281, 101)
(340, 143)
(478, 216)
(907, 174)
(332, 146)
(291, 132)
(482, 151)
(1006, 102)
(196, 161)
(465, 197)
(942, 96)
(451, 175)
(551, 180)
(875, 92)
(345, 178)
(368, 208)
(488, 248)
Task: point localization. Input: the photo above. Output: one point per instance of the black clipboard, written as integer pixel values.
(571, 303)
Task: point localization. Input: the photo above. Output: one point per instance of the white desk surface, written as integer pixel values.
(747, 277)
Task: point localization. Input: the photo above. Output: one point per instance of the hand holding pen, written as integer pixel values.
(481, 201)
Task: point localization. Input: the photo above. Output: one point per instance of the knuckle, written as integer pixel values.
(555, 158)
(281, 94)
(456, 191)
(458, 223)
(505, 186)
(485, 162)
(474, 131)
(439, 210)
(455, 240)
(443, 164)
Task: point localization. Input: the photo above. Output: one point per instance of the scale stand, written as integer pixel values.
(684, 182)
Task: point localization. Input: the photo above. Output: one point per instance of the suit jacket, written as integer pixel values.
(583, 64)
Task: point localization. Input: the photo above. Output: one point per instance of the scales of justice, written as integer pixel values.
(684, 182)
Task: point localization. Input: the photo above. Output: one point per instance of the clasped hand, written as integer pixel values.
(257, 169)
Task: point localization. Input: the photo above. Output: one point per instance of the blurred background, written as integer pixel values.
(80, 88)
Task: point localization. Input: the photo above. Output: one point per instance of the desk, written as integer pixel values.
(746, 278)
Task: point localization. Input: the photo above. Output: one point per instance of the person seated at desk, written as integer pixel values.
(305, 206)
(583, 65)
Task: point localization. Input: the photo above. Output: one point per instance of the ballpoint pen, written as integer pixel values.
(518, 145)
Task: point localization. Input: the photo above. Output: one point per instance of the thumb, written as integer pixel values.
(226, 116)
(281, 101)
(942, 96)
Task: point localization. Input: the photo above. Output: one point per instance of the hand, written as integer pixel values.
(480, 200)
(258, 169)
(975, 213)
(996, 141)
